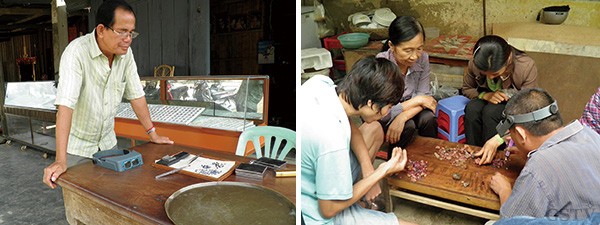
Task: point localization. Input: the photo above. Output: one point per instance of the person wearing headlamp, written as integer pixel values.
(496, 71)
(560, 177)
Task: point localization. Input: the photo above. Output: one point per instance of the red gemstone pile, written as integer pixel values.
(416, 170)
(458, 156)
(498, 163)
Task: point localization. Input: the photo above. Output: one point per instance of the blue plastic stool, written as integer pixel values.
(450, 112)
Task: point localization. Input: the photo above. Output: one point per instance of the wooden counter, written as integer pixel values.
(439, 189)
(96, 195)
(194, 137)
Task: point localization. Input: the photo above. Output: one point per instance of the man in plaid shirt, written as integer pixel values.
(591, 114)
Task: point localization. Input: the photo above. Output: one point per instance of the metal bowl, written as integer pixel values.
(554, 17)
(229, 203)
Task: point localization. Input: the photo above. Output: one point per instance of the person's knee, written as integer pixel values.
(474, 106)
(409, 126)
(492, 113)
(428, 119)
(473, 110)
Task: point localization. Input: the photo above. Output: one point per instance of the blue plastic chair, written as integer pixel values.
(271, 148)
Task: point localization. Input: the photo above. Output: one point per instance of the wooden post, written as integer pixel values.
(60, 34)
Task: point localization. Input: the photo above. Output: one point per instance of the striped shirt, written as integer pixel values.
(591, 114)
(560, 179)
(94, 90)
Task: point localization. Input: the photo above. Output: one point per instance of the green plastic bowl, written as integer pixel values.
(354, 40)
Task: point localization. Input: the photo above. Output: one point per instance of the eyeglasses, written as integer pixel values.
(124, 35)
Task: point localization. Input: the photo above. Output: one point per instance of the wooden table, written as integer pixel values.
(439, 189)
(96, 195)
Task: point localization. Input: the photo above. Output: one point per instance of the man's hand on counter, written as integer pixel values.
(52, 172)
(155, 138)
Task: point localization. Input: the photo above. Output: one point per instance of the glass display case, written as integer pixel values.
(200, 111)
(30, 114)
(220, 102)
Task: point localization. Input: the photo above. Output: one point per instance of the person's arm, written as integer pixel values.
(140, 107)
(330, 208)
(495, 97)
(501, 187)
(423, 85)
(63, 128)
(397, 126)
(469, 88)
(488, 151)
(361, 151)
(529, 76)
(525, 198)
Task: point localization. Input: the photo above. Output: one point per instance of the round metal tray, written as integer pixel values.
(229, 203)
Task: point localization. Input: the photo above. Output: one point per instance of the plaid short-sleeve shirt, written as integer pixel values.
(591, 114)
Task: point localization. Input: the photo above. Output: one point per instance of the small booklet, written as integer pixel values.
(271, 163)
(251, 170)
(202, 167)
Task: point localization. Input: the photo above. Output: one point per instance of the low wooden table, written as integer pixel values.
(439, 189)
(96, 195)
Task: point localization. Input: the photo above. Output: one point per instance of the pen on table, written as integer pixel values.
(178, 169)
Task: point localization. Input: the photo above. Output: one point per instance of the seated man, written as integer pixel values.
(330, 187)
(562, 175)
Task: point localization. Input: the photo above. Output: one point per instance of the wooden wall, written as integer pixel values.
(171, 32)
(236, 28)
(32, 45)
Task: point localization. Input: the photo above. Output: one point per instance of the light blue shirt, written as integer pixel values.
(560, 179)
(325, 140)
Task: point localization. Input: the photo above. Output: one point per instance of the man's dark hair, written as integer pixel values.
(375, 79)
(106, 12)
(529, 100)
(491, 52)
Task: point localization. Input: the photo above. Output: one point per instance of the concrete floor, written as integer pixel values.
(24, 198)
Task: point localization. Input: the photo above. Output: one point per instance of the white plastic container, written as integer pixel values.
(315, 58)
(384, 16)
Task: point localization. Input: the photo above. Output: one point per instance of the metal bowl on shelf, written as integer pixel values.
(554, 14)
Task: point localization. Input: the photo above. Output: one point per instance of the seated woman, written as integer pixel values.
(495, 72)
(414, 114)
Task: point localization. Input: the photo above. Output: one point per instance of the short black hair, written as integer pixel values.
(491, 52)
(529, 100)
(403, 29)
(106, 11)
(375, 79)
